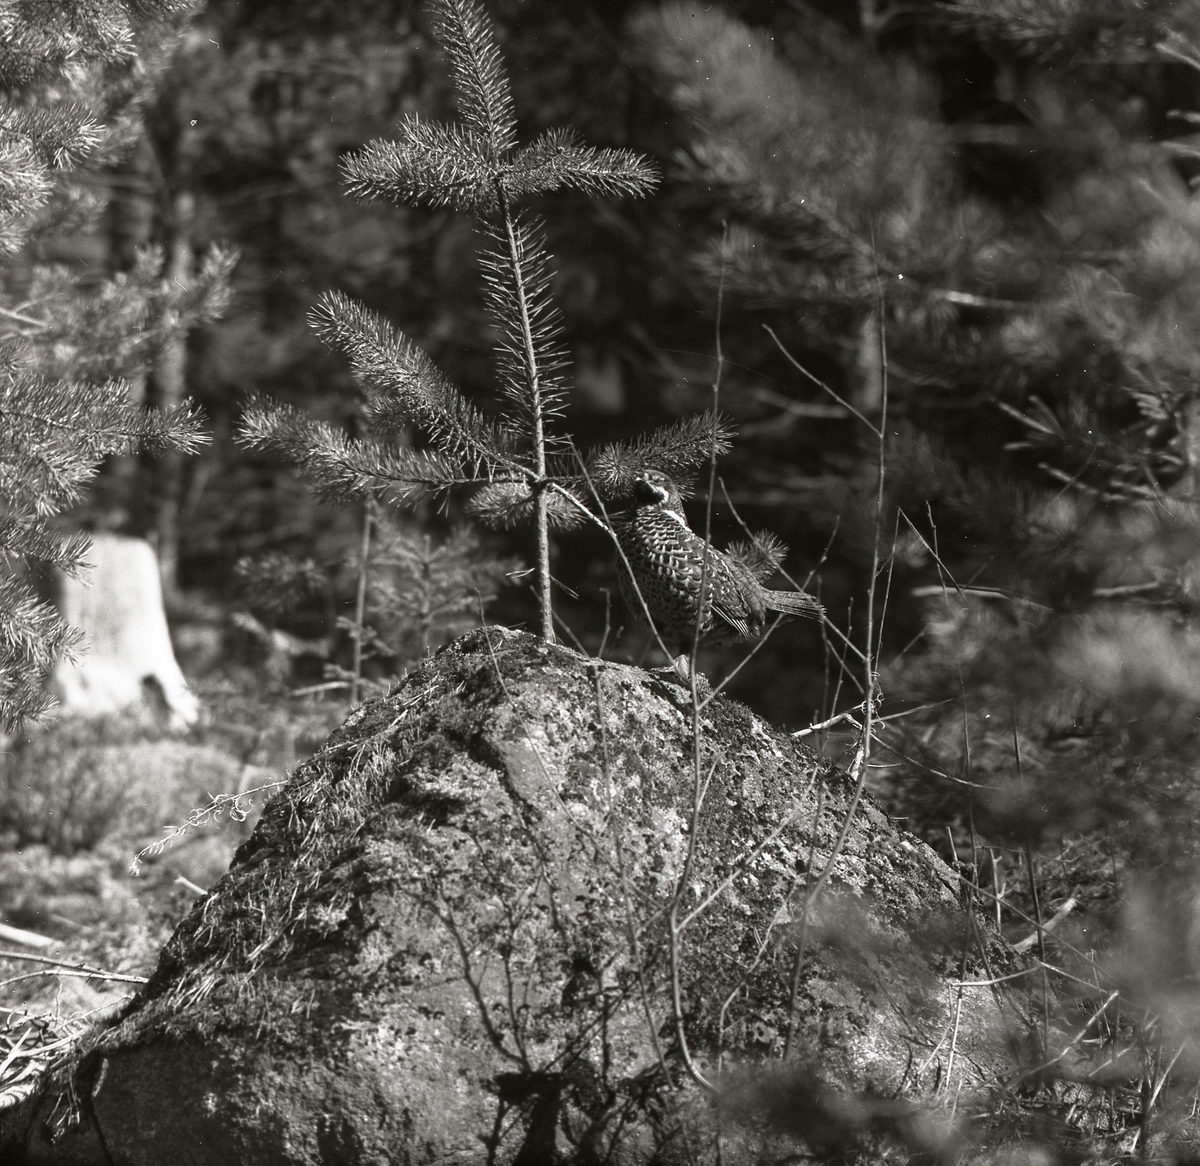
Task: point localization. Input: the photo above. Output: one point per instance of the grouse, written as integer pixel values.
(662, 565)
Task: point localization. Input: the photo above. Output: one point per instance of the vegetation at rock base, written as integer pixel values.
(979, 217)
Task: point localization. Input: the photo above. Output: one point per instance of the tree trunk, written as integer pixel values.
(170, 380)
(867, 382)
(131, 229)
(126, 656)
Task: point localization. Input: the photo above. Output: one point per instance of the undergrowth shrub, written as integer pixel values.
(68, 784)
(75, 783)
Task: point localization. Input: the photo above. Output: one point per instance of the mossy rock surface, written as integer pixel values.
(448, 939)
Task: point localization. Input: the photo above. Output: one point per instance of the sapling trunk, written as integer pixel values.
(543, 562)
(534, 384)
(360, 599)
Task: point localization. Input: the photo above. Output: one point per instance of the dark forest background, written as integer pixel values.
(974, 220)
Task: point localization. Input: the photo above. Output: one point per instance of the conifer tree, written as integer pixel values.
(71, 76)
(519, 465)
(424, 591)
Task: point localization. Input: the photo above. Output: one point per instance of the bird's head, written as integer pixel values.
(654, 488)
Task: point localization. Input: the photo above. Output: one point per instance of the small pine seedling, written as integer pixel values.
(520, 466)
(423, 592)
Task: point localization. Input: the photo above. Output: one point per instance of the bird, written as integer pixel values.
(661, 566)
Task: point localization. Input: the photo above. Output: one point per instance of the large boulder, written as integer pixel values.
(450, 939)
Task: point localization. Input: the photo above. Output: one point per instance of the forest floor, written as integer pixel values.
(80, 801)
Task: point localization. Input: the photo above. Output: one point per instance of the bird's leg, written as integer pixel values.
(679, 669)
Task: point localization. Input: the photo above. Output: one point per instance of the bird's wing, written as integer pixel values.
(736, 596)
(739, 623)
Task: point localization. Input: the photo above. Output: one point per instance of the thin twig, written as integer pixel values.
(21, 318)
(962, 973)
(858, 769)
(1033, 893)
(79, 969)
(828, 723)
(821, 384)
(798, 959)
(615, 825)
(698, 786)
(1039, 1069)
(825, 623)
(742, 663)
(360, 598)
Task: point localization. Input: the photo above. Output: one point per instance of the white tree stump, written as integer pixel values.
(126, 651)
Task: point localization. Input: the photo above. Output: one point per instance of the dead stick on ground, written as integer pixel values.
(78, 969)
(26, 938)
(1027, 943)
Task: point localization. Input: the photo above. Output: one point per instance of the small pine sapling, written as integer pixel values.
(276, 582)
(414, 593)
(520, 466)
(423, 592)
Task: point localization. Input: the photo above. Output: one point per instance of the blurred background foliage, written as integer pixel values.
(985, 208)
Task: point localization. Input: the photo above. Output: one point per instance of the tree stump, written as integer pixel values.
(126, 655)
(451, 937)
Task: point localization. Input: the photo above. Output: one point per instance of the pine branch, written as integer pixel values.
(60, 136)
(53, 436)
(677, 450)
(480, 81)
(1072, 32)
(65, 68)
(275, 582)
(25, 186)
(44, 38)
(59, 35)
(1084, 457)
(342, 468)
(31, 538)
(32, 636)
(764, 553)
(405, 387)
(119, 328)
(519, 290)
(558, 159)
(426, 164)
(507, 505)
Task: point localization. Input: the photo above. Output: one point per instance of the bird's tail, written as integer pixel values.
(793, 603)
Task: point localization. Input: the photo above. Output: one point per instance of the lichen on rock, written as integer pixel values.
(448, 939)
